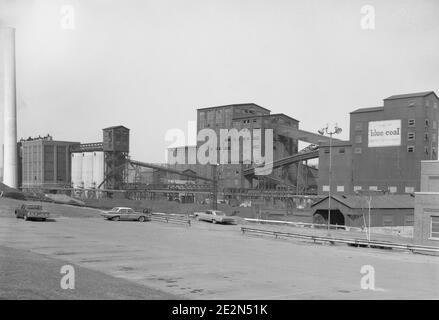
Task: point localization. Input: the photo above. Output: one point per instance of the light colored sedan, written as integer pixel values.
(123, 213)
(214, 216)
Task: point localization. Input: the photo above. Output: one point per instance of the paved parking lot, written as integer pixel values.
(207, 261)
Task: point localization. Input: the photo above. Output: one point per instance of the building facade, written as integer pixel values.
(244, 118)
(395, 168)
(387, 145)
(426, 228)
(46, 163)
(341, 167)
(223, 117)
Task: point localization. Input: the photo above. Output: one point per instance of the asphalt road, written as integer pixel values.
(27, 275)
(204, 261)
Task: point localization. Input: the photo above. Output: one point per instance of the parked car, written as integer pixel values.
(31, 212)
(214, 216)
(123, 213)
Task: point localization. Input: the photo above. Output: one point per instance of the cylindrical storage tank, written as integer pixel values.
(87, 169)
(77, 170)
(98, 169)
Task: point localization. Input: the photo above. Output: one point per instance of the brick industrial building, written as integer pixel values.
(384, 152)
(426, 229)
(45, 163)
(386, 146)
(249, 116)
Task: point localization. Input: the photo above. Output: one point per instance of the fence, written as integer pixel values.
(304, 224)
(171, 218)
(355, 242)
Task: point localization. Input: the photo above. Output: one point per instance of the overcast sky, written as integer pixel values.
(149, 65)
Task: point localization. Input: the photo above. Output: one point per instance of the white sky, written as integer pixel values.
(149, 64)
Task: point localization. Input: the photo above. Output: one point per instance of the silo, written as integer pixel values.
(77, 170)
(98, 168)
(87, 169)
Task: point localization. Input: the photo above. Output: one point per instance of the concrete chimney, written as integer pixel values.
(10, 157)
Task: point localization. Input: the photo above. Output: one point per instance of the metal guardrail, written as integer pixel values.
(171, 218)
(304, 224)
(356, 242)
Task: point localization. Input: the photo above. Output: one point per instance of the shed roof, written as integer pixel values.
(397, 201)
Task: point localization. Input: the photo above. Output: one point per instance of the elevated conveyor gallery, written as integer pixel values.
(300, 135)
(287, 161)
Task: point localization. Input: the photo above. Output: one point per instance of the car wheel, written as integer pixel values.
(141, 219)
(25, 217)
(115, 219)
(214, 221)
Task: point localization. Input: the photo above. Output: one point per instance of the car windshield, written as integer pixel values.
(33, 207)
(115, 209)
(219, 213)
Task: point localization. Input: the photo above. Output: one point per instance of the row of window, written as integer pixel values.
(227, 112)
(410, 149)
(412, 136)
(427, 104)
(410, 123)
(391, 189)
(248, 121)
(246, 111)
(434, 228)
(340, 150)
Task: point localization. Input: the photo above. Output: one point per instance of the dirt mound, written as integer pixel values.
(6, 191)
(64, 199)
(5, 188)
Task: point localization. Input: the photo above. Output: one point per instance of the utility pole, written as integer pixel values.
(215, 187)
(326, 130)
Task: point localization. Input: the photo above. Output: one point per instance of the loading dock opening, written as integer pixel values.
(321, 216)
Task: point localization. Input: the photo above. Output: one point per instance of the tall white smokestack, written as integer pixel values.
(10, 165)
